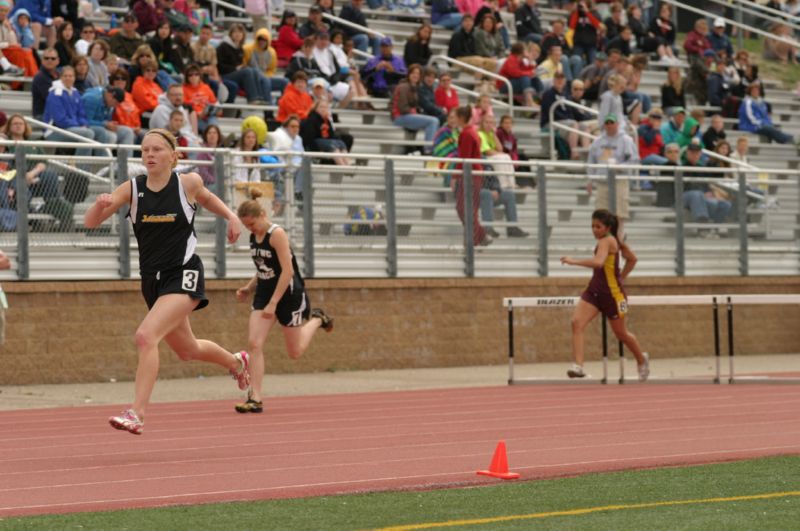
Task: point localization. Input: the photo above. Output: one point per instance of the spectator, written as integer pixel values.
(175, 17)
(289, 40)
(697, 42)
(198, 16)
(672, 129)
(314, 24)
(182, 47)
(718, 90)
(528, 21)
(614, 22)
(40, 19)
(623, 41)
(65, 45)
(571, 65)
(742, 146)
(295, 100)
(741, 62)
(492, 7)
(82, 80)
(648, 42)
(164, 50)
(212, 138)
(98, 71)
(584, 23)
(64, 109)
(718, 39)
(287, 138)
(715, 133)
(331, 70)
(651, 141)
(522, 75)
(125, 41)
(99, 104)
(661, 27)
(248, 142)
(508, 141)
(613, 146)
(352, 13)
(698, 196)
(551, 66)
(146, 91)
(754, 117)
(383, 72)
(426, 96)
(127, 113)
(445, 145)
(318, 134)
(205, 55)
(261, 56)
(303, 60)
(445, 13)
(482, 108)
(611, 101)
(618, 64)
(673, 91)
(149, 14)
(230, 63)
(142, 57)
(697, 82)
(446, 95)
(778, 50)
(404, 108)
(462, 46)
(88, 36)
(43, 80)
(173, 101)
(550, 97)
(492, 150)
(200, 97)
(112, 64)
(418, 49)
(593, 75)
(357, 88)
(488, 41)
(21, 22)
(469, 147)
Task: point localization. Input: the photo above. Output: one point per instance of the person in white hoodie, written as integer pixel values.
(170, 101)
(287, 138)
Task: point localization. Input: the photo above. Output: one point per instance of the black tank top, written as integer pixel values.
(268, 265)
(163, 223)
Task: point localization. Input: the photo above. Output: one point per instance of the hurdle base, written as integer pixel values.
(594, 381)
(763, 380)
(556, 381)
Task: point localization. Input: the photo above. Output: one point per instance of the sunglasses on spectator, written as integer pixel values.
(50, 58)
(87, 31)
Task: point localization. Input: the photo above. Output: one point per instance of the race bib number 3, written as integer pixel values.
(190, 278)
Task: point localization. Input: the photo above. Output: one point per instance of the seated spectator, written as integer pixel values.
(742, 146)
(65, 43)
(127, 40)
(719, 90)
(698, 197)
(492, 7)
(200, 96)
(248, 142)
(624, 41)
(330, 69)
(127, 113)
(164, 49)
(205, 55)
(287, 138)
(593, 75)
(673, 92)
(212, 138)
(404, 107)
(142, 57)
(303, 61)
(87, 37)
(289, 40)
(146, 92)
(445, 13)
(446, 95)
(571, 64)
(528, 22)
(697, 43)
(672, 129)
(508, 141)
(98, 71)
(383, 72)
(576, 119)
(64, 109)
(445, 145)
(549, 98)
(352, 13)
(176, 125)
(522, 75)
(776, 50)
(482, 108)
(617, 64)
(173, 101)
(15, 60)
(488, 40)
(426, 97)
(551, 66)
(697, 80)
(99, 104)
(648, 42)
(492, 151)
(662, 29)
(182, 47)
(754, 117)
(319, 134)
(314, 24)
(261, 56)
(584, 23)
(150, 14)
(651, 141)
(230, 63)
(462, 46)
(715, 133)
(175, 17)
(43, 80)
(417, 50)
(21, 22)
(357, 87)
(718, 39)
(82, 80)
(615, 21)
(295, 100)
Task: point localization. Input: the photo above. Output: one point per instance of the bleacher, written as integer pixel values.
(430, 235)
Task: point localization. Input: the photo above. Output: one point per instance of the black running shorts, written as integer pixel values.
(188, 279)
(292, 309)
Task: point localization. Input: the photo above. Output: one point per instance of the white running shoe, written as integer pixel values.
(644, 368)
(242, 376)
(576, 371)
(128, 421)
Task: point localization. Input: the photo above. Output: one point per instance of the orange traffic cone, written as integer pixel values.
(499, 466)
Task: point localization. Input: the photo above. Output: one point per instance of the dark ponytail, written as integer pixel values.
(608, 219)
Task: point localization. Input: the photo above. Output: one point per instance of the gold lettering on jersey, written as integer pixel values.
(161, 218)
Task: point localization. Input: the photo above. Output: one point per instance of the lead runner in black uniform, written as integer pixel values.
(162, 207)
(278, 295)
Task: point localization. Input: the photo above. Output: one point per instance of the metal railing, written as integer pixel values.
(362, 29)
(481, 71)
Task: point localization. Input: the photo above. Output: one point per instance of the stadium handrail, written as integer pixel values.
(767, 9)
(750, 11)
(228, 5)
(481, 71)
(363, 29)
(562, 102)
(53, 128)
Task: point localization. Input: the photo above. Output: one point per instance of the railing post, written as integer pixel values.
(612, 190)
(122, 223)
(469, 228)
(740, 20)
(391, 220)
(308, 218)
(541, 196)
(221, 228)
(680, 251)
(741, 208)
(23, 243)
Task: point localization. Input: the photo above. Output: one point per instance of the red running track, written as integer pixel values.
(70, 460)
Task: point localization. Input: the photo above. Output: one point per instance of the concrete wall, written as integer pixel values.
(82, 331)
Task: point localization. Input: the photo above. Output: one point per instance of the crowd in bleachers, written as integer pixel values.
(168, 64)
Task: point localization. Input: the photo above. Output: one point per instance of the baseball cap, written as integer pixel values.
(611, 118)
(709, 53)
(183, 27)
(601, 56)
(694, 146)
(117, 92)
(677, 110)
(655, 114)
(318, 83)
(719, 23)
(314, 9)
(386, 41)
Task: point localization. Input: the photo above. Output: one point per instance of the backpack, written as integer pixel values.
(364, 229)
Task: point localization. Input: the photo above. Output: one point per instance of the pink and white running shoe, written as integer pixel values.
(242, 376)
(128, 421)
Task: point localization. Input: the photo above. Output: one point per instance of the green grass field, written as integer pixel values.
(671, 498)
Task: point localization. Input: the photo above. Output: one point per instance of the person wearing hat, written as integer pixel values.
(99, 104)
(182, 46)
(384, 71)
(719, 39)
(672, 128)
(613, 146)
(314, 24)
(125, 41)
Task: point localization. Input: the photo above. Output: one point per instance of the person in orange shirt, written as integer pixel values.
(127, 113)
(296, 99)
(200, 96)
(145, 89)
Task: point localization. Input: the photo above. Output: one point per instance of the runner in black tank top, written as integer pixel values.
(162, 212)
(605, 293)
(278, 295)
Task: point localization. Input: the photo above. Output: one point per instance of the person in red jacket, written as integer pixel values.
(446, 96)
(697, 42)
(288, 41)
(522, 75)
(469, 147)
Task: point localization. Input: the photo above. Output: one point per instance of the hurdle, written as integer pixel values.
(714, 301)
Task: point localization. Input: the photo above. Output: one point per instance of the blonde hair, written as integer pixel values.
(251, 208)
(170, 139)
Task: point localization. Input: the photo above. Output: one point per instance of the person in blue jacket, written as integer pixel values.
(64, 109)
(99, 104)
(754, 117)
